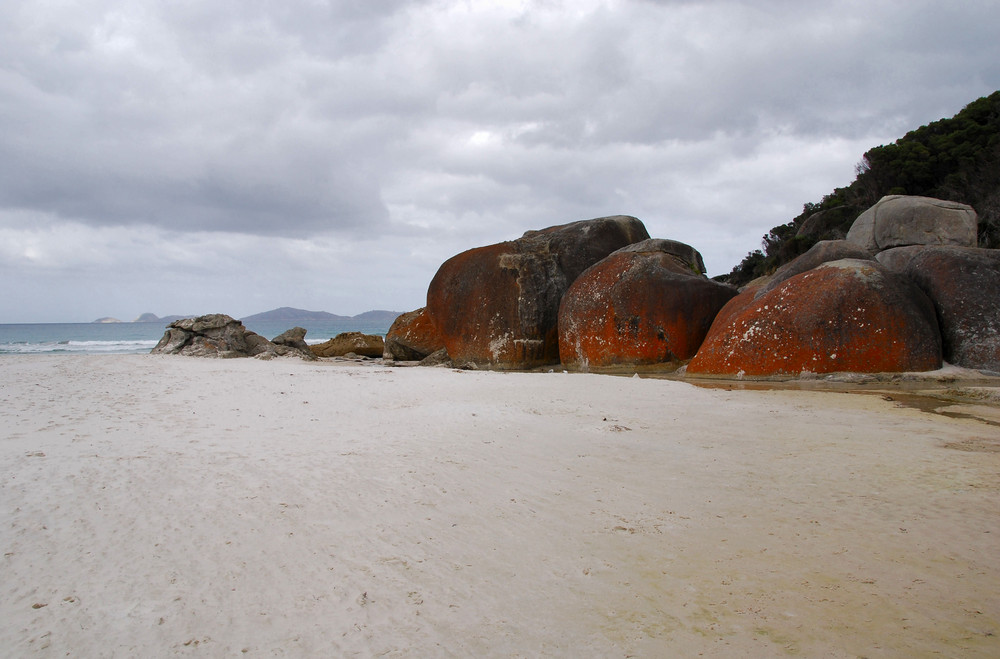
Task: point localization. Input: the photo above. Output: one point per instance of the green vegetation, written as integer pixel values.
(956, 159)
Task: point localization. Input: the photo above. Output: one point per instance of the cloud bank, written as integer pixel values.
(237, 156)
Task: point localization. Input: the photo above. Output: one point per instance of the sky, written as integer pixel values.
(234, 156)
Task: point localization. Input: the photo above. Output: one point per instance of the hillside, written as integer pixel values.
(956, 159)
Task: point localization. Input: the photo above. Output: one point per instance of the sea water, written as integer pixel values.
(137, 338)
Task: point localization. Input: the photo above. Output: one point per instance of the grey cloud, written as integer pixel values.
(111, 141)
(440, 125)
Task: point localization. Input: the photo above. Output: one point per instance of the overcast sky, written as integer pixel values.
(233, 156)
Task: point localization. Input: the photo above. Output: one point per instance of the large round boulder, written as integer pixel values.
(822, 252)
(648, 303)
(899, 220)
(412, 337)
(845, 315)
(497, 306)
(964, 285)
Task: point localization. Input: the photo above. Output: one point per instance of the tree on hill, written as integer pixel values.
(955, 159)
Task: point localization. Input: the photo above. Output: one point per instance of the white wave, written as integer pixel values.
(78, 347)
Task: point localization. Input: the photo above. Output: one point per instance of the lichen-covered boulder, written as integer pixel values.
(964, 285)
(900, 220)
(412, 337)
(648, 303)
(497, 306)
(822, 252)
(365, 345)
(846, 315)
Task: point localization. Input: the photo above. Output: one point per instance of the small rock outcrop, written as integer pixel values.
(647, 303)
(364, 345)
(412, 337)
(293, 340)
(437, 358)
(964, 285)
(216, 335)
(213, 335)
(845, 315)
(900, 220)
(497, 306)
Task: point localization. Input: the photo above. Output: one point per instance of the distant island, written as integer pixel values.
(153, 318)
(281, 314)
(144, 318)
(288, 314)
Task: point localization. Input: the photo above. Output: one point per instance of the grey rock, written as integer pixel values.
(220, 336)
(823, 222)
(437, 358)
(900, 220)
(292, 342)
(172, 342)
(963, 283)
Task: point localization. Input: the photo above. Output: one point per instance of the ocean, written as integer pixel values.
(138, 338)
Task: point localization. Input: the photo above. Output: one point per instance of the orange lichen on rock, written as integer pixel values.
(412, 336)
(637, 308)
(846, 315)
(497, 306)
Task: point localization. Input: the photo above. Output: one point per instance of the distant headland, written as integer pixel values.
(144, 318)
(288, 314)
(280, 314)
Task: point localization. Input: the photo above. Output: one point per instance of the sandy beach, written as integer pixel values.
(161, 506)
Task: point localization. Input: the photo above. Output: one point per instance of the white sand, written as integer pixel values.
(157, 506)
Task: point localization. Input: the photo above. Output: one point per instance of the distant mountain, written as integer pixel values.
(291, 315)
(282, 314)
(288, 314)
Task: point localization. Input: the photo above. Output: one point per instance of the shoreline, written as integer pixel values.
(951, 390)
(165, 505)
